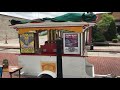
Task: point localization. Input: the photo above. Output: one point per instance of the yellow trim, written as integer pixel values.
(70, 28)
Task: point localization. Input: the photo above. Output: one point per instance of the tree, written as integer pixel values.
(104, 23)
(111, 32)
(97, 35)
(106, 26)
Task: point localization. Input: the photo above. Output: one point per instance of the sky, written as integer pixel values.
(35, 15)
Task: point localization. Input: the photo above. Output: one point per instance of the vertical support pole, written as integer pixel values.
(90, 35)
(81, 37)
(59, 58)
(57, 34)
(36, 42)
(61, 33)
(51, 35)
(54, 34)
(6, 39)
(48, 35)
(86, 37)
(19, 73)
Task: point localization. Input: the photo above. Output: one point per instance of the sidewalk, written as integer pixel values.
(106, 49)
(11, 44)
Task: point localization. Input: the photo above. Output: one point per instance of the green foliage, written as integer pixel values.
(118, 37)
(97, 35)
(111, 32)
(114, 40)
(106, 28)
(104, 23)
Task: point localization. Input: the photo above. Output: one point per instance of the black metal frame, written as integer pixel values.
(59, 58)
(18, 70)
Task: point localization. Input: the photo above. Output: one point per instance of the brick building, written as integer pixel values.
(99, 16)
(5, 29)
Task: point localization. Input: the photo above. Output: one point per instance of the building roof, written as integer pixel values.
(13, 16)
(71, 26)
(99, 16)
(51, 24)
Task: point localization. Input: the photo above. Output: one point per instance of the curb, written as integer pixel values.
(103, 51)
(9, 47)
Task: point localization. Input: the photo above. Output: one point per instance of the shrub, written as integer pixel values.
(97, 35)
(114, 40)
(118, 37)
(111, 32)
(101, 44)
